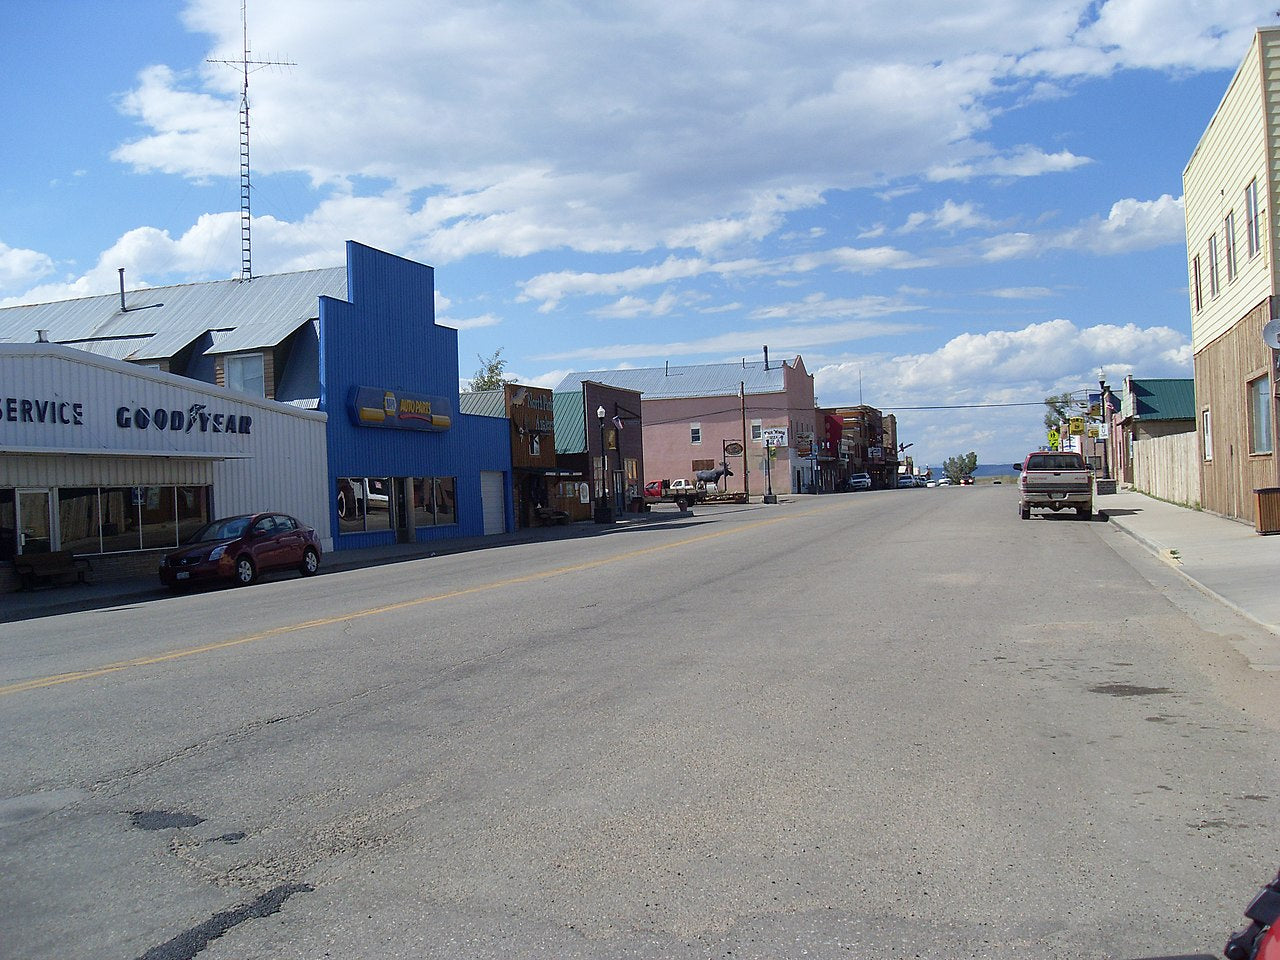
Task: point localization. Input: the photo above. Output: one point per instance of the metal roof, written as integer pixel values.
(161, 321)
(1163, 399)
(483, 403)
(570, 421)
(697, 380)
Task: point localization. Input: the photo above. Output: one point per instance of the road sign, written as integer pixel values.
(1076, 425)
(775, 436)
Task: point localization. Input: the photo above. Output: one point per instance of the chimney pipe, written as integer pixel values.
(42, 336)
(766, 356)
(123, 308)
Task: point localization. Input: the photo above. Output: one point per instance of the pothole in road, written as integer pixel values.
(163, 820)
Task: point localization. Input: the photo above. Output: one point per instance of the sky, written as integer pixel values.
(949, 210)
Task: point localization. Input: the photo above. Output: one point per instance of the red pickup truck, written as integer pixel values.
(1053, 480)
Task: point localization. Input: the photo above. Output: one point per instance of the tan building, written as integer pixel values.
(1230, 190)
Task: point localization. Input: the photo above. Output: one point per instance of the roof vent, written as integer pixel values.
(42, 336)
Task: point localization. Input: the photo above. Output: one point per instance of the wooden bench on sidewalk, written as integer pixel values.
(49, 568)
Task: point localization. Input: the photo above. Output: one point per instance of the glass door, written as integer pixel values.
(34, 535)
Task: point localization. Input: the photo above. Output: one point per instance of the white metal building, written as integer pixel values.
(113, 460)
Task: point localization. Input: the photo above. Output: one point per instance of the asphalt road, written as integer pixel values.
(885, 724)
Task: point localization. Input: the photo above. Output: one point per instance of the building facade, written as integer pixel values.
(357, 345)
(600, 450)
(120, 463)
(1230, 191)
(1155, 449)
(692, 415)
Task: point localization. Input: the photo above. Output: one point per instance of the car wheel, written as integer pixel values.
(246, 572)
(310, 562)
(1024, 512)
(1083, 513)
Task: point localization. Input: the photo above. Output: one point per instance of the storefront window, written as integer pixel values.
(159, 523)
(119, 507)
(446, 500)
(364, 503)
(78, 519)
(8, 525)
(193, 511)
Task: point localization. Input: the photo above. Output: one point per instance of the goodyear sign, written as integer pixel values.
(396, 410)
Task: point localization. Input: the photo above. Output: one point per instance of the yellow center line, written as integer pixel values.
(37, 683)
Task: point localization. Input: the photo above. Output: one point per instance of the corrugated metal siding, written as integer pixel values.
(571, 423)
(279, 464)
(386, 336)
(483, 403)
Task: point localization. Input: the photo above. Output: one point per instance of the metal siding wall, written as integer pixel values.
(387, 337)
(47, 471)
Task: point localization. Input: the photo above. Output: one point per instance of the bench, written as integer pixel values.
(546, 516)
(49, 568)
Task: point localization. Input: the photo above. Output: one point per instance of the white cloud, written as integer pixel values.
(975, 372)
(1130, 225)
(21, 268)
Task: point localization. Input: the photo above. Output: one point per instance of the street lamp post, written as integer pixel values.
(768, 474)
(603, 513)
(1106, 427)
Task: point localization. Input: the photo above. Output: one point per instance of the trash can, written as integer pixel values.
(1267, 510)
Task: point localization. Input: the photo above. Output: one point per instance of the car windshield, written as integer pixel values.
(226, 529)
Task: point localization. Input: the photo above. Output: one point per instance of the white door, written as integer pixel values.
(493, 502)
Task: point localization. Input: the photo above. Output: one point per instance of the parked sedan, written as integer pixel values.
(238, 549)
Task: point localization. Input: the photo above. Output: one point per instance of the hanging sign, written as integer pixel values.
(733, 449)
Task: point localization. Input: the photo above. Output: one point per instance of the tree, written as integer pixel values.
(490, 375)
(960, 466)
(1062, 407)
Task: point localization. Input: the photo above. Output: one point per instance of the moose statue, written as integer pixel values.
(713, 476)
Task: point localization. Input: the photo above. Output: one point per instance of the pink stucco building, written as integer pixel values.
(692, 414)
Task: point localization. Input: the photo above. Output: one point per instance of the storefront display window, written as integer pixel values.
(78, 519)
(364, 504)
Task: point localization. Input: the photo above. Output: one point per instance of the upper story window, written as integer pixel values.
(1252, 231)
(1229, 239)
(695, 433)
(1213, 266)
(757, 430)
(1195, 283)
(244, 372)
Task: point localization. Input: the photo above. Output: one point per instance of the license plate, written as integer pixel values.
(182, 575)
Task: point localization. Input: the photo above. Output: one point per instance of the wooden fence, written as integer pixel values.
(1167, 467)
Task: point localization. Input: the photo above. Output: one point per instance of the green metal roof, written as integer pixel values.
(1163, 399)
(571, 421)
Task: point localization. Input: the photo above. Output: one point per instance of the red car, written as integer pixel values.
(653, 488)
(238, 549)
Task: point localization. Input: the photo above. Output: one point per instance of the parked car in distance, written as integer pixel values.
(653, 489)
(906, 481)
(859, 481)
(237, 549)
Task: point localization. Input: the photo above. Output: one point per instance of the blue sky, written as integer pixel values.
(936, 206)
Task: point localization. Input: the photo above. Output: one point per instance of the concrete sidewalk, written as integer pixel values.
(1227, 560)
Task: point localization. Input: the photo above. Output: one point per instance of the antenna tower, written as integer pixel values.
(244, 63)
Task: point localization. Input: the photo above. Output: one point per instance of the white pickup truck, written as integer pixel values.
(1052, 480)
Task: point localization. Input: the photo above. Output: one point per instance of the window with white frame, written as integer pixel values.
(1260, 415)
(757, 431)
(1208, 434)
(695, 433)
(1229, 240)
(1213, 265)
(1252, 231)
(245, 372)
(1195, 283)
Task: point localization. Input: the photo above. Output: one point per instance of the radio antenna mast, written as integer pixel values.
(244, 63)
